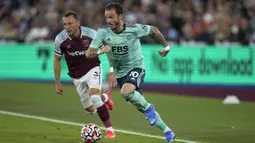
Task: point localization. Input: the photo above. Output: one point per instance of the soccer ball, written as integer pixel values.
(91, 133)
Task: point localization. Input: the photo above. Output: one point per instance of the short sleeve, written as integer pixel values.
(98, 39)
(93, 33)
(143, 30)
(57, 49)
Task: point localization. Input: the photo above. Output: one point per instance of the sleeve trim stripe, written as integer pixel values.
(59, 54)
(101, 46)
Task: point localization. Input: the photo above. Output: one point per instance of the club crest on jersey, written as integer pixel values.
(130, 36)
(145, 28)
(68, 46)
(85, 43)
(108, 40)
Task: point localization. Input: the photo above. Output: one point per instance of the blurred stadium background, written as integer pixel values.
(212, 57)
(201, 21)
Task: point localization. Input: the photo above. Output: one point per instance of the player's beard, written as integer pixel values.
(70, 33)
(74, 33)
(114, 26)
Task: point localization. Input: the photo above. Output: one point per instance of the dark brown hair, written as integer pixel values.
(72, 13)
(115, 5)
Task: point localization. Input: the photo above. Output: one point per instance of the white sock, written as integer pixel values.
(109, 128)
(105, 96)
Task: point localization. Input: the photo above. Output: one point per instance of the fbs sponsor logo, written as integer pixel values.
(120, 50)
(77, 53)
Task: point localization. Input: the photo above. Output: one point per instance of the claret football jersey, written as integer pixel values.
(74, 50)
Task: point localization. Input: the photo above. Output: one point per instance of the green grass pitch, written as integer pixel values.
(202, 120)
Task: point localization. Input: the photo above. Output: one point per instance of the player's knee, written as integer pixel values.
(93, 91)
(127, 93)
(87, 104)
(91, 111)
(90, 108)
(123, 92)
(96, 100)
(128, 96)
(126, 90)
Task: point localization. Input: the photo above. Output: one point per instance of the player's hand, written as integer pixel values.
(59, 89)
(105, 49)
(163, 52)
(111, 80)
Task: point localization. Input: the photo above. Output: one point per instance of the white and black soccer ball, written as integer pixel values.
(91, 133)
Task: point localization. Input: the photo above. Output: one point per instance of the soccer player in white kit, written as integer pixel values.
(72, 43)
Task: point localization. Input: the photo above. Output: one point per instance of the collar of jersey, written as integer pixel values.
(121, 30)
(81, 33)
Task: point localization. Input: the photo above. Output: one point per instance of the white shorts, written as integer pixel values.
(93, 79)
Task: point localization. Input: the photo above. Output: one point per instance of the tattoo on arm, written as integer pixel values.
(157, 35)
(91, 53)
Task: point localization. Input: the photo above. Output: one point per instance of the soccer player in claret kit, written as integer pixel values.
(73, 43)
(124, 50)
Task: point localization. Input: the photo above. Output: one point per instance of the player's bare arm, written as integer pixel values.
(158, 36)
(57, 70)
(93, 52)
(111, 79)
(109, 60)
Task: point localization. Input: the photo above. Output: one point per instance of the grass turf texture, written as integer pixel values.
(199, 119)
(23, 130)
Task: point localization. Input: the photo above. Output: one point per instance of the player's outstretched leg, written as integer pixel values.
(151, 114)
(103, 114)
(169, 134)
(138, 100)
(107, 99)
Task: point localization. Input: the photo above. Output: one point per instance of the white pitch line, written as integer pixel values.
(80, 124)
